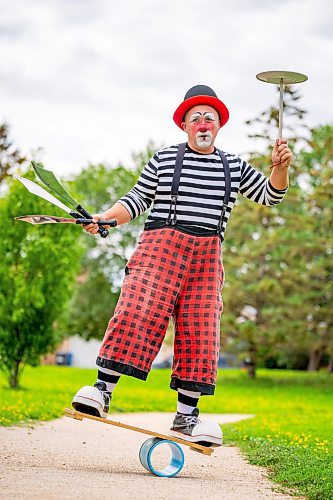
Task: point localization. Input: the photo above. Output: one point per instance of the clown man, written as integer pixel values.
(176, 270)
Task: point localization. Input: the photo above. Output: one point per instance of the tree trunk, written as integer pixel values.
(252, 363)
(330, 365)
(14, 375)
(314, 360)
(251, 370)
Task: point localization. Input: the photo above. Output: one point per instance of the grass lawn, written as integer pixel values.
(291, 432)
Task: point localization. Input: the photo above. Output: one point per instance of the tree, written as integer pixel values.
(37, 272)
(315, 163)
(10, 157)
(278, 272)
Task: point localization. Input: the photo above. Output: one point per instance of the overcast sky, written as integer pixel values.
(95, 80)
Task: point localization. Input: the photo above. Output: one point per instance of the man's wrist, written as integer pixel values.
(279, 167)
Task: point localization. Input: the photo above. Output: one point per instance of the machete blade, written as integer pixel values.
(45, 219)
(34, 188)
(55, 219)
(50, 180)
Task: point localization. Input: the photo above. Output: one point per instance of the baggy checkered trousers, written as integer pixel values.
(171, 273)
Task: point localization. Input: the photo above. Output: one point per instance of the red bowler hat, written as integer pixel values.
(201, 94)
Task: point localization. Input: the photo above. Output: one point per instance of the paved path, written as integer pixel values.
(66, 459)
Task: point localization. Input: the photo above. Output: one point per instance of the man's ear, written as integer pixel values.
(183, 126)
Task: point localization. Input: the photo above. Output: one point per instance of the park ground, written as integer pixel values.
(290, 434)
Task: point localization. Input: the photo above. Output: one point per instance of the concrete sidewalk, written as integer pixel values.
(66, 458)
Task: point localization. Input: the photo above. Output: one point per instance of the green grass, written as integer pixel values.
(291, 433)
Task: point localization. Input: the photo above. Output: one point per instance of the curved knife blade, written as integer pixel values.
(37, 190)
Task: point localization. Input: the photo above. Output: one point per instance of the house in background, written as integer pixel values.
(75, 351)
(80, 353)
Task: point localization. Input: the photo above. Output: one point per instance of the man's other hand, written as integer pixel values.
(93, 228)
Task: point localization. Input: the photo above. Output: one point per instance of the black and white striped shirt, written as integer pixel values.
(201, 188)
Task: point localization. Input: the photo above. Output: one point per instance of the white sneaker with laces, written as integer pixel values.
(93, 400)
(190, 428)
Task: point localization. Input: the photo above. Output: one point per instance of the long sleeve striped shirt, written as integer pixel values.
(201, 188)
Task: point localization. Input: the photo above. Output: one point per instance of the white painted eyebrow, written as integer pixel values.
(203, 114)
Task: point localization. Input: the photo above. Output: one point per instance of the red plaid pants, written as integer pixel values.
(171, 273)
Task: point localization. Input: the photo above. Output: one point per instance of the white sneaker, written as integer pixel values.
(190, 428)
(93, 400)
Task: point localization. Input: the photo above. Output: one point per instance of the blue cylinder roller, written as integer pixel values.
(177, 458)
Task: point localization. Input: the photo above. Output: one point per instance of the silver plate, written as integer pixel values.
(288, 77)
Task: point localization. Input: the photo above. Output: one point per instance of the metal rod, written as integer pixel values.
(281, 109)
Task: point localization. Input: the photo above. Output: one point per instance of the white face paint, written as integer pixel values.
(204, 139)
(202, 125)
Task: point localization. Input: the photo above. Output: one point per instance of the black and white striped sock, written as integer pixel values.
(187, 401)
(109, 377)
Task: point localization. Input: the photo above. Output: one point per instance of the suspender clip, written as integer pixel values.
(172, 219)
(220, 223)
(174, 203)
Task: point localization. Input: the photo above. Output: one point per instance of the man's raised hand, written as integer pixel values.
(281, 154)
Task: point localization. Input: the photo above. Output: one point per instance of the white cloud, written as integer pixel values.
(94, 80)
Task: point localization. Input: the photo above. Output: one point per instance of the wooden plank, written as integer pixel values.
(77, 415)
